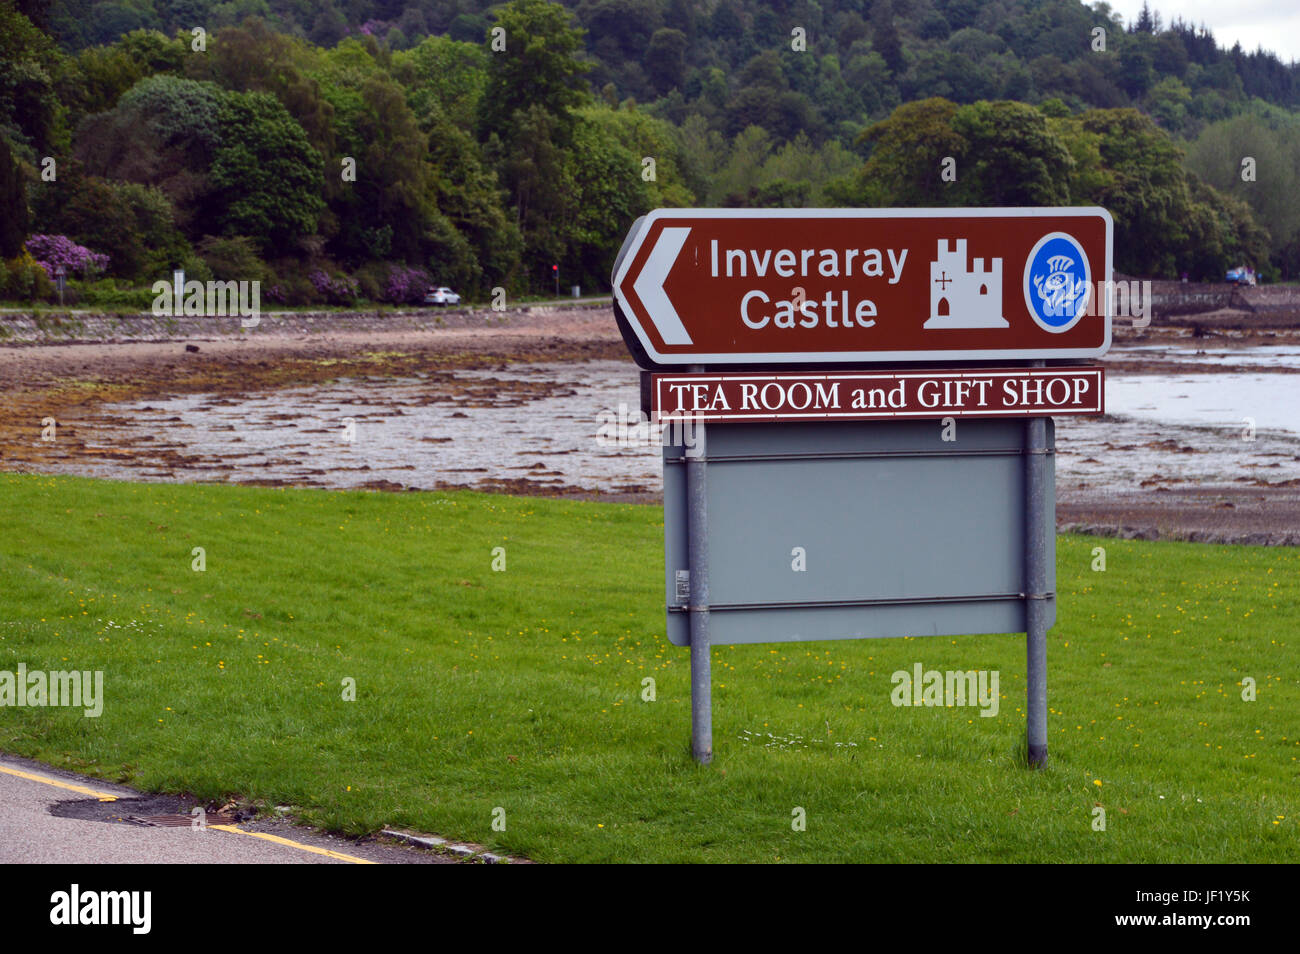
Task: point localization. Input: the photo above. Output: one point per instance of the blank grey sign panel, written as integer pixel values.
(857, 529)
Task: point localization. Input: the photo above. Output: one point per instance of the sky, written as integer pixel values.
(1272, 24)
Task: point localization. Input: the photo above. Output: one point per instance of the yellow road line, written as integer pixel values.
(102, 796)
(105, 797)
(294, 844)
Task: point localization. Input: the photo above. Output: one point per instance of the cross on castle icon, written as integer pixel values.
(962, 297)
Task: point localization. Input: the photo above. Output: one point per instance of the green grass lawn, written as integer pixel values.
(522, 689)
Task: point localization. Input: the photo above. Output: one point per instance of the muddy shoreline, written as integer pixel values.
(69, 375)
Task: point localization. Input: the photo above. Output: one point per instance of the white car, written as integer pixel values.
(441, 295)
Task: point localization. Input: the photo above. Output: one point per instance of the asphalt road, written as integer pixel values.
(30, 834)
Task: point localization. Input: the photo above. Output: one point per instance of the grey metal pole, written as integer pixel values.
(697, 533)
(1036, 491)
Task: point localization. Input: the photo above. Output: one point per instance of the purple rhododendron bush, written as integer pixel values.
(51, 251)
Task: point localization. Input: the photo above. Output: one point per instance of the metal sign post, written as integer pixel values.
(697, 534)
(1036, 595)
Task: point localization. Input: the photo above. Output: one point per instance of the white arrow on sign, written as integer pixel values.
(649, 286)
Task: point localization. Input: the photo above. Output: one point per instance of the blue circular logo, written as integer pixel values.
(1058, 282)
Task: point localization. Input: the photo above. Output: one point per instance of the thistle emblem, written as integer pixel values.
(1058, 291)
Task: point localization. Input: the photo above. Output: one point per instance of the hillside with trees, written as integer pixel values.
(362, 150)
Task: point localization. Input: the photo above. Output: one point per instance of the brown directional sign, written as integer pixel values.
(818, 286)
(876, 395)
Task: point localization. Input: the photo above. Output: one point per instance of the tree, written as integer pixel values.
(108, 21)
(1011, 157)
(620, 29)
(948, 75)
(99, 76)
(467, 152)
(1137, 71)
(527, 121)
(163, 132)
(665, 60)
(155, 52)
(935, 27)
(253, 58)
(1222, 232)
(30, 113)
(1167, 101)
(609, 195)
(13, 204)
(468, 194)
(1088, 175)
(764, 70)
(1004, 154)
(539, 68)
(1146, 23)
(885, 36)
(542, 192)
(266, 175)
(1216, 156)
(703, 150)
(393, 188)
(445, 77)
(816, 167)
(1147, 194)
(904, 168)
(644, 136)
(130, 222)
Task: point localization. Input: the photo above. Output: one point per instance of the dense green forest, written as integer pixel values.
(361, 149)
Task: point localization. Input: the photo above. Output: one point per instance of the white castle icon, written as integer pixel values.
(962, 297)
